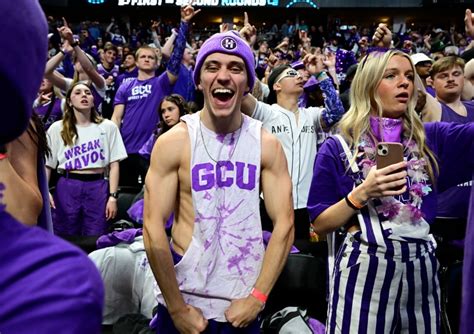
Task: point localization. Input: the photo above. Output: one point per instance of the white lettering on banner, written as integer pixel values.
(209, 3)
(246, 3)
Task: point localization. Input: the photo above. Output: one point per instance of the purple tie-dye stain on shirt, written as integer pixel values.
(227, 235)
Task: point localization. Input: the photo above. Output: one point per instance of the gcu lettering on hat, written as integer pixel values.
(228, 43)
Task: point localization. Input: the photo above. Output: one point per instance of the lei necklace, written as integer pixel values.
(391, 208)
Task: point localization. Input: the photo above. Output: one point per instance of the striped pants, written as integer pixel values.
(391, 290)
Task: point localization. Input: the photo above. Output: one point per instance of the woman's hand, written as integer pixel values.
(382, 182)
(51, 202)
(111, 208)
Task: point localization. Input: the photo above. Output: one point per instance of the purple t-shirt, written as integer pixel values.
(467, 309)
(47, 285)
(55, 115)
(141, 99)
(114, 71)
(449, 115)
(454, 201)
(449, 142)
(430, 90)
(126, 77)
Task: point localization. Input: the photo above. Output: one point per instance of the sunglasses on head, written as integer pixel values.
(291, 73)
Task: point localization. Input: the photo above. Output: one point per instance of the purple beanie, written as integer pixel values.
(230, 43)
(24, 37)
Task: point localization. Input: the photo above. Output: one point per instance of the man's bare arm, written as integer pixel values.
(277, 191)
(161, 186)
(249, 102)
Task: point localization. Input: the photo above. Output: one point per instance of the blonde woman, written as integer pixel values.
(384, 276)
(84, 148)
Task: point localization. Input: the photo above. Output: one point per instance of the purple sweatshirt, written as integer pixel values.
(46, 284)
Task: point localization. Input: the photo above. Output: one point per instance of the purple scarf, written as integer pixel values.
(391, 129)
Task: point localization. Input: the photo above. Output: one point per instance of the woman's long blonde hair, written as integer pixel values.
(69, 131)
(365, 101)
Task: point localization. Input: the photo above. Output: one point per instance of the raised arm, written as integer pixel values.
(277, 190)
(161, 186)
(167, 48)
(334, 109)
(85, 62)
(249, 102)
(187, 13)
(53, 63)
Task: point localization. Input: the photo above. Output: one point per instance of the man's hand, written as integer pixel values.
(468, 23)
(242, 312)
(188, 12)
(66, 34)
(313, 63)
(189, 320)
(109, 81)
(45, 98)
(155, 25)
(248, 31)
(224, 27)
(330, 60)
(382, 36)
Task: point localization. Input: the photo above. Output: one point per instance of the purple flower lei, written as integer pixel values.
(392, 209)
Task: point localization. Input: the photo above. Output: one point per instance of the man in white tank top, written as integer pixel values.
(209, 170)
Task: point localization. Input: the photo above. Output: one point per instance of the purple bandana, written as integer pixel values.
(391, 129)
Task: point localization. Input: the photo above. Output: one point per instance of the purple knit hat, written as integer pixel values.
(24, 37)
(230, 43)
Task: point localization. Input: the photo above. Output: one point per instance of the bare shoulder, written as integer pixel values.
(170, 146)
(272, 151)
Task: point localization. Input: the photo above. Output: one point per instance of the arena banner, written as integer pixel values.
(212, 3)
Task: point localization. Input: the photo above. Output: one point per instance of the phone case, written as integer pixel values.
(388, 154)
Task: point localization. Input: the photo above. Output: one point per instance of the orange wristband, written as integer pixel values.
(354, 202)
(259, 295)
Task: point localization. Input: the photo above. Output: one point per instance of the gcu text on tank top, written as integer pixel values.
(225, 255)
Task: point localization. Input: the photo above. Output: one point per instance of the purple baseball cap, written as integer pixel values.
(230, 43)
(25, 37)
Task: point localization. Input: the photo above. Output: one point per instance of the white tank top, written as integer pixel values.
(224, 258)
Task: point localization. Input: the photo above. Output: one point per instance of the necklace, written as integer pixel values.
(392, 209)
(234, 146)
